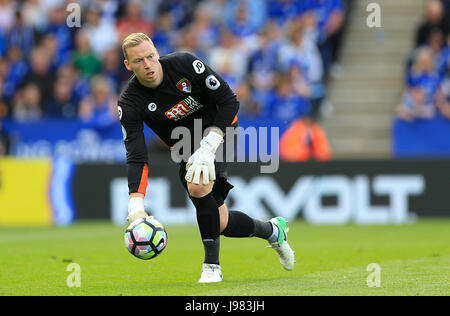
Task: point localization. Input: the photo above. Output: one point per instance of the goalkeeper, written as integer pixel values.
(171, 91)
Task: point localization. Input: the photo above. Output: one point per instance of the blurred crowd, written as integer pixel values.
(275, 54)
(427, 78)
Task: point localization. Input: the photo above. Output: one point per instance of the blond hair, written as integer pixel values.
(132, 40)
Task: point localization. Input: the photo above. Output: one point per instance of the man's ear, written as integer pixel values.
(127, 65)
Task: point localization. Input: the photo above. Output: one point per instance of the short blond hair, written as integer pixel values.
(132, 40)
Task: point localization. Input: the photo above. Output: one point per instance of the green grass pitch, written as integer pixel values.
(331, 260)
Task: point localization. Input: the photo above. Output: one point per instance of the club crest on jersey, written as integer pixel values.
(183, 109)
(184, 85)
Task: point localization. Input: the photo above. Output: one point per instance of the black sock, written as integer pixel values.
(263, 229)
(212, 249)
(242, 225)
(208, 220)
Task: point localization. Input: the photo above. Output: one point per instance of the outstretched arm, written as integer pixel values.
(137, 159)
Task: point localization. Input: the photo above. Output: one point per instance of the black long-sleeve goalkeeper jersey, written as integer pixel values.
(190, 90)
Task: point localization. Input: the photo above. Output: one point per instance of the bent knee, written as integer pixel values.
(199, 190)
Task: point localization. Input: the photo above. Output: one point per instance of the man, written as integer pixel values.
(173, 91)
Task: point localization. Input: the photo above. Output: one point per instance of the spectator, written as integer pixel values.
(443, 100)
(284, 103)
(4, 141)
(329, 17)
(304, 140)
(249, 107)
(3, 43)
(101, 33)
(150, 9)
(443, 60)
(245, 18)
(4, 111)
(263, 63)
(28, 104)
(67, 72)
(80, 85)
(266, 50)
(423, 74)
(22, 35)
(206, 31)
(99, 109)
(303, 52)
(436, 41)
(163, 37)
(302, 49)
(62, 105)
(16, 69)
(240, 24)
(35, 13)
(284, 11)
(133, 21)
(62, 34)
(227, 59)
(4, 68)
(414, 105)
(299, 82)
(446, 4)
(181, 11)
(109, 8)
(83, 58)
(189, 42)
(50, 44)
(4, 103)
(215, 9)
(40, 73)
(113, 69)
(7, 15)
(434, 18)
(51, 4)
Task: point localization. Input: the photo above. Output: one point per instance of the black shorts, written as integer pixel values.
(221, 185)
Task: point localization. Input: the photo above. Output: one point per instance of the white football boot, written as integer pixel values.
(211, 273)
(281, 246)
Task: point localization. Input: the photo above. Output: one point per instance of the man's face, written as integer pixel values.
(143, 60)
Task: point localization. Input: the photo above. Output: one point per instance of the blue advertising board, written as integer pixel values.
(70, 139)
(80, 142)
(421, 138)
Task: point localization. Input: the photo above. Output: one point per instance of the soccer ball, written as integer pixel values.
(145, 238)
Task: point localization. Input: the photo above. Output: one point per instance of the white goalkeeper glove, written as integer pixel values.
(136, 209)
(202, 160)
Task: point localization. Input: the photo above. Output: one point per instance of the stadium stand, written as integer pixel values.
(276, 55)
(423, 114)
(370, 85)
